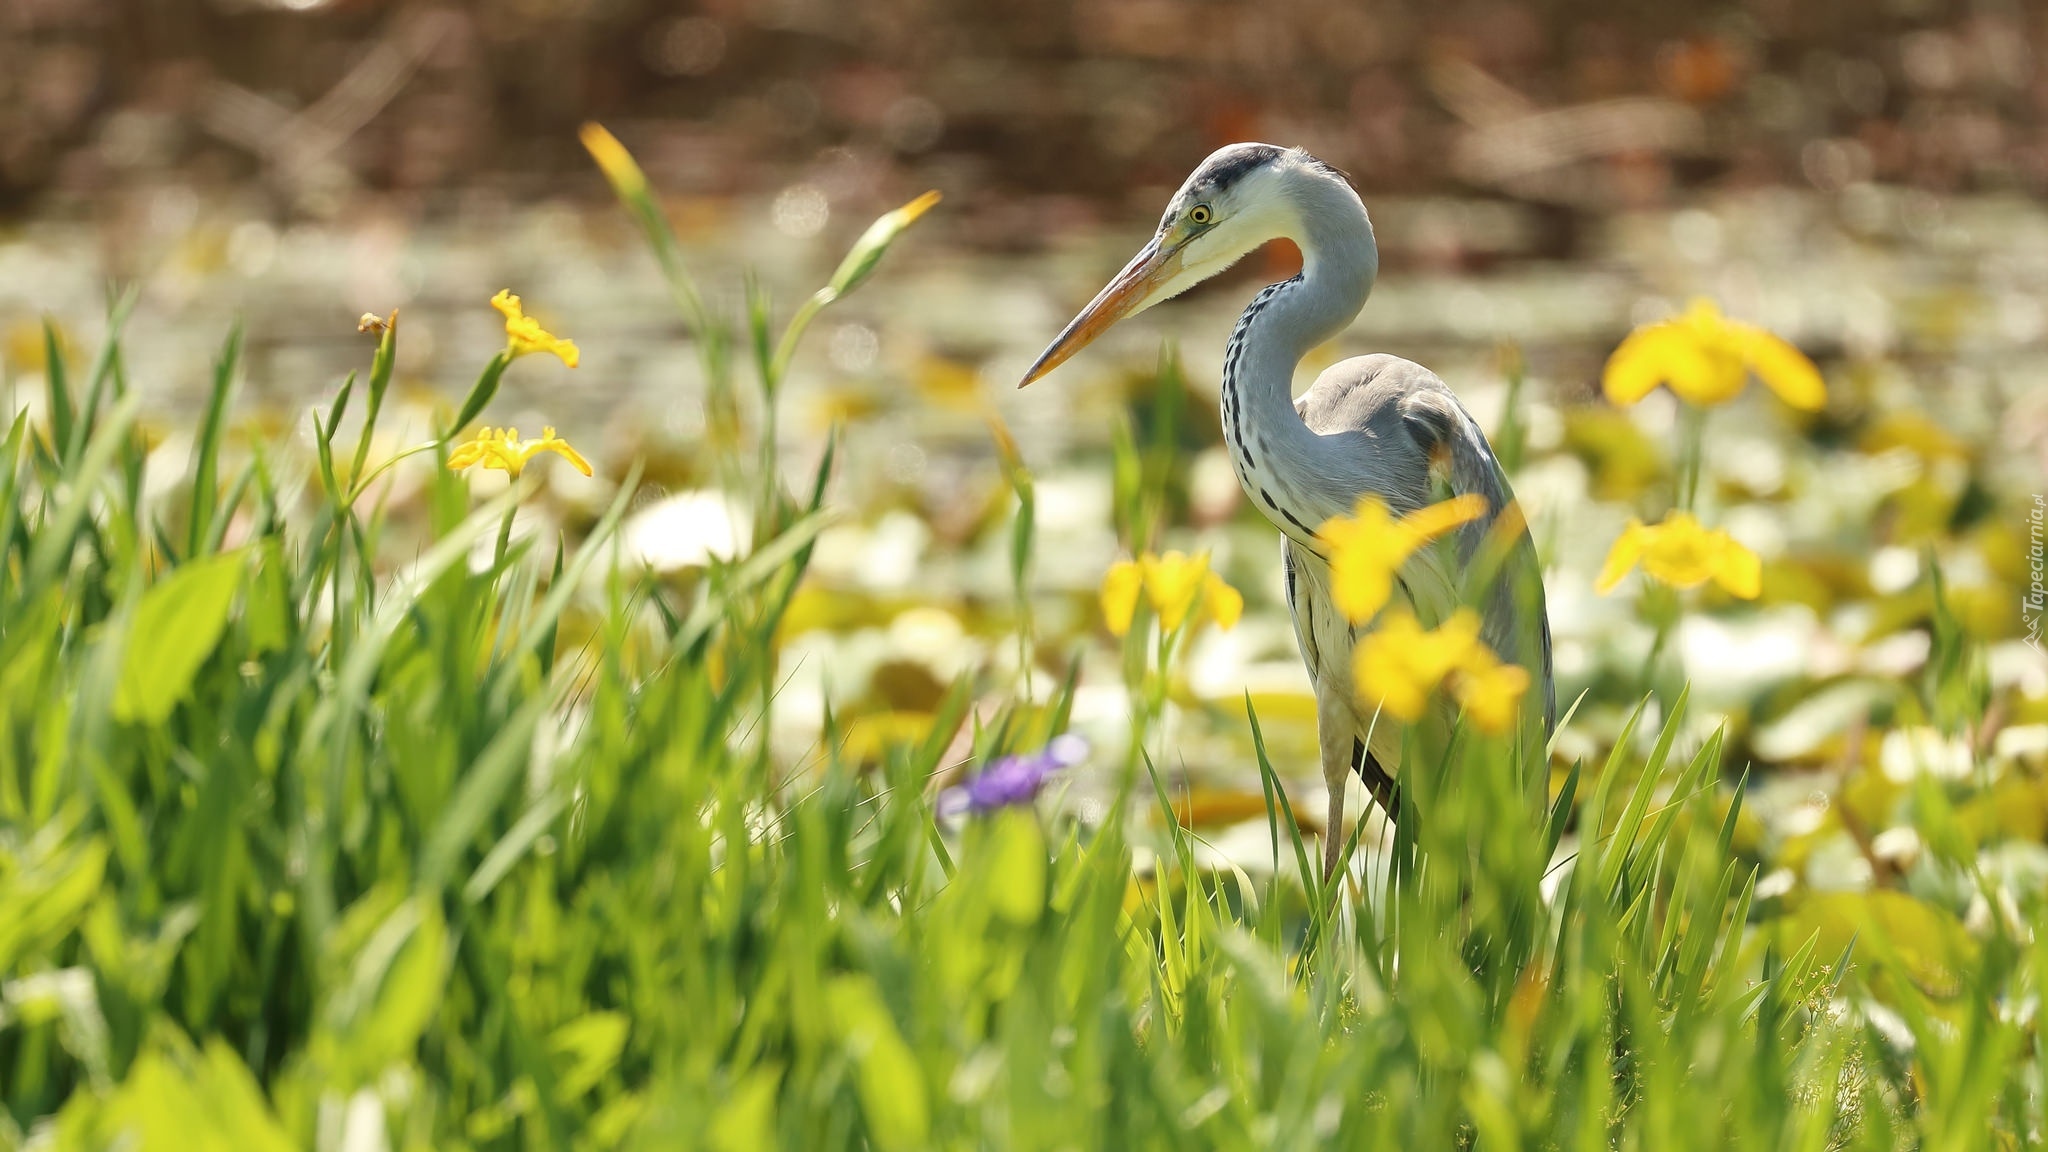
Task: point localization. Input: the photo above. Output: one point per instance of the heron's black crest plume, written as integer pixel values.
(1229, 166)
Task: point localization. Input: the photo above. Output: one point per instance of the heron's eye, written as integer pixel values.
(1200, 214)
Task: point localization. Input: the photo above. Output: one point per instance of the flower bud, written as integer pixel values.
(867, 251)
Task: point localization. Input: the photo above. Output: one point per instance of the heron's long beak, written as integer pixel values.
(1134, 288)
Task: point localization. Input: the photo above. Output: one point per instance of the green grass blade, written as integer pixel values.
(205, 480)
(62, 416)
(105, 372)
(1620, 847)
(57, 537)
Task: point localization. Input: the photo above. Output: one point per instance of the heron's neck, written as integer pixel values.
(1275, 453)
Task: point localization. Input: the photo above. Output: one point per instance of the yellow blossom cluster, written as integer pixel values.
(1368, 547)
(1706, 358)
(1400, 664)
(524, 335)
(502, 449)
(1179, 588)
(1683, 553)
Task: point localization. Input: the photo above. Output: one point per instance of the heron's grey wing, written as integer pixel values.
(1421, 445)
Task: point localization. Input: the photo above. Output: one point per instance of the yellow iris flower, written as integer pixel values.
(1490, 691)
(523, 334)
(503, 450)
(1706, 358)
(1369, 546)
(1400, 664)
(1684, 554)
(1176, 585)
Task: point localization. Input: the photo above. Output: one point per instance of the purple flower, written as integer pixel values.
(1013, 780)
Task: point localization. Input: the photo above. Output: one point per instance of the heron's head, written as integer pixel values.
(1240, 197)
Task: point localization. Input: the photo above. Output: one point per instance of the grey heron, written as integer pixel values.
(1372, 425)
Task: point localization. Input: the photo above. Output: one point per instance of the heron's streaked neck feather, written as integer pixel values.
(1284, 469)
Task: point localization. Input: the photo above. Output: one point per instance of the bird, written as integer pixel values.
(1370, 426)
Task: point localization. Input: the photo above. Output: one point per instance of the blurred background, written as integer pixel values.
(1867, 177)
(313, 108)
(297, 162)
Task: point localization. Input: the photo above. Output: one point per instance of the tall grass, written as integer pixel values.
(306, 841)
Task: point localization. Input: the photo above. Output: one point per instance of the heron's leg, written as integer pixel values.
(1335, 735)
(1385, 792)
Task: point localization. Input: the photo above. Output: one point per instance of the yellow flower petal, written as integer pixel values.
(1222, 603)
(1738, 571)
(501, 450)
(549, 442)
(1680, 552)
(613, 160)
(524, 335)
(1173, 582)
(467, 455)
(1490, 691)
(1368, 547)
(1689, 356)
(1684, 554)
(1398, 665)
(1782, 367)
(1365, 550)
(502, 454)
(1120, 586)
(1628, 548)
(1435, 520)
(1705, 359)
(1712, 375)
(1636, 367)
(1360, 584)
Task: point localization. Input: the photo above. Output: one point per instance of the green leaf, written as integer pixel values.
(1016, 866)
(177, 1098)
(47, 900)
(394, 987)
(890, 1082)
(177, 626)
(513, 845)
(591, 1045)
(483, 787)
(480, 394)
(268, 609)
(746, 1119)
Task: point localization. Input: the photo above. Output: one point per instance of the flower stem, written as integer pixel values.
(505, 532)
(1661, 605)
(1692, 424)
(363, 485)
(785, 349)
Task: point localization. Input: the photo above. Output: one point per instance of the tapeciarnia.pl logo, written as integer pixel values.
(2034, 605)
